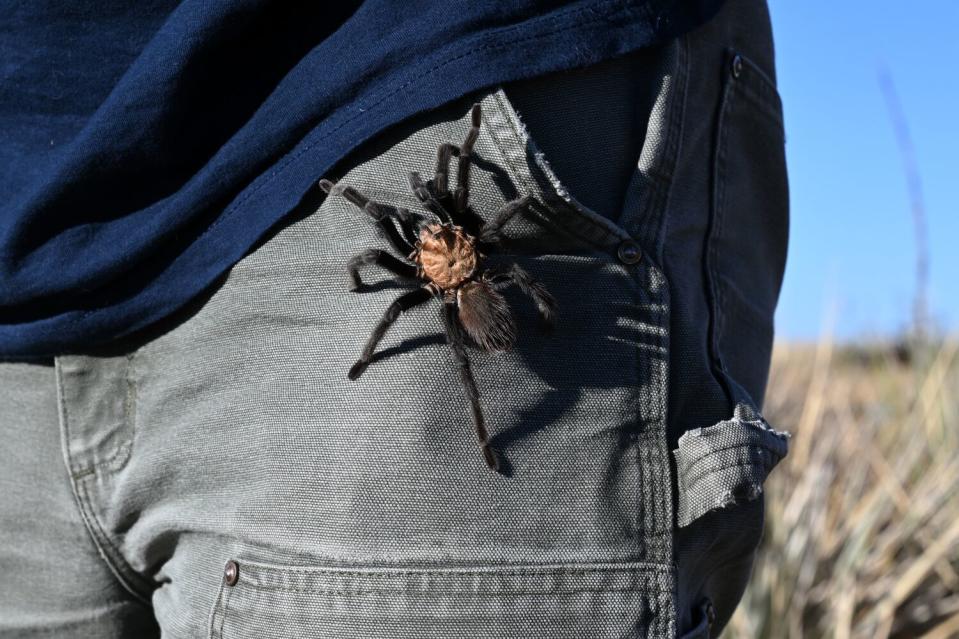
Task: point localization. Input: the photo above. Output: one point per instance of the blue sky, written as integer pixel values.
(852, 242)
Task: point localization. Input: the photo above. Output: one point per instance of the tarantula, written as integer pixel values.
(445, 256)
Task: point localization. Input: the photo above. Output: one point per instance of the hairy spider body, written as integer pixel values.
(446, 254)
(445, 257)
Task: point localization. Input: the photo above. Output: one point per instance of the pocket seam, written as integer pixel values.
(524, 157)
(762, 91)
(751, 84)
(477, 595)
(492, 570)
(761, 444)
(740, 464)
(634, 571)
(220, 608)
(617, 590)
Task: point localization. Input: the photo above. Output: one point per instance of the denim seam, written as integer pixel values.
(361, 568)
(625, 568)
(720, 219)
(662, 499)
(124, 574)
(764, 82)
(79, 494)
(657, 228)
(714, 230)
(653, 219)
(712, 452)
(108, 549)
(224, 608)
(631, 413)
(755, 86)
(639, 589)
(657, 484)
(122, 451)
(644, 447)
(646, 460)
(677, 131)
(215, 612)
(690, 482)
(519, 141)
(495, 129)
(734, 90)
(129, 408)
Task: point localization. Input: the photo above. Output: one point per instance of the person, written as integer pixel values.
(184, 452)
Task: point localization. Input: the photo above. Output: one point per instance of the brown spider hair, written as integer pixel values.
(445, 258)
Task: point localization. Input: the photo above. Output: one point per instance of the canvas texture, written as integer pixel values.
(635, 449)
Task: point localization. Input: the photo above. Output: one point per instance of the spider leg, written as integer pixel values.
(435, 194)
(410, 224)
(439, 188)
(382, 214)
(465, 159)
(424, 195)
(441, 179)
(491, 231)
(454, 337)
(381, 259)
(515, 274)
(403, 303)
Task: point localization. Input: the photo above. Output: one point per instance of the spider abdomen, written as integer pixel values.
(486, 316)
(447, 255)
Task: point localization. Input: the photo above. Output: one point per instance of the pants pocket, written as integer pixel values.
(749, 224)
(720, 472)
(557, 601)
(725, 464)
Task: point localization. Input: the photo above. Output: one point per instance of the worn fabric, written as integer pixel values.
(633, 439)
(148, 146)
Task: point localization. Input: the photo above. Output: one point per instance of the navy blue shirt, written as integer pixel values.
(145, 146)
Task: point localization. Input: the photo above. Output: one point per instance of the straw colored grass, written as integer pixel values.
(862, 519)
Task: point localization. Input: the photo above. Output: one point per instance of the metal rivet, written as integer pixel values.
(629, 252)
(737, 66)
(231, 573)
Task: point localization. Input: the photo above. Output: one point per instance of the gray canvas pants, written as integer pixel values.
(221, 477)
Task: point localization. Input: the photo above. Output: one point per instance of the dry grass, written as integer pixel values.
(862, 533)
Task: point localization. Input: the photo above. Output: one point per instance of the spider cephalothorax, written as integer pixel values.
(445, 257)
(446, 254)
(448, 260)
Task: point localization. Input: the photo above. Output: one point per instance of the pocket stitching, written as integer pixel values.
(763, 467)
(631, 588)
(457, 594)
(763, 443)
(760, 87)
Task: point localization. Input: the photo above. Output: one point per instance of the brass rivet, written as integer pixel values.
(231, 573)
(629, 252)
(737, 66)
